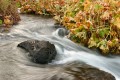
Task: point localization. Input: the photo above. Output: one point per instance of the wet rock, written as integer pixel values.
(39, 51)
(61, 32)
(80, 71)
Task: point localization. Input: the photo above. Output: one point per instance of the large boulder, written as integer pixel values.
(40, 51)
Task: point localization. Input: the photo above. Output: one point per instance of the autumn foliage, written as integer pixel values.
(95, 24)
(42, 7)
(8, 13)
(92, 23)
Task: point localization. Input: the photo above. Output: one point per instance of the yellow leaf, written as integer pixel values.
(117, 22)
(106, 15)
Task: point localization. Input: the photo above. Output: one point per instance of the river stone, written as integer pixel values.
(41, 52)
(80, 71)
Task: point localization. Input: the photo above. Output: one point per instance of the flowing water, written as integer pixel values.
(14, 64)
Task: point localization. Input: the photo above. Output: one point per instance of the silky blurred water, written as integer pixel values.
(14, 64)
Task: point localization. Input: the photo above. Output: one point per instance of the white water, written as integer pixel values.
(33, 27)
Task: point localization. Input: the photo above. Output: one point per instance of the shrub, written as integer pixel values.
(8, 13)
(42, 7)
(95, 24)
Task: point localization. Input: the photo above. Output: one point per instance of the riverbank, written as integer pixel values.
(94, 24)
(15, 64)
(73, 62)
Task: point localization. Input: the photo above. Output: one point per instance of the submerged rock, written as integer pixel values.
(80, 71)
(40, 51)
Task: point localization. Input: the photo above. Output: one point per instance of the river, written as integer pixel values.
(14, 64)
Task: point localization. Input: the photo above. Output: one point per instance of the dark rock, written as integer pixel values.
(40, 51)
(80, 71)
(62, 32)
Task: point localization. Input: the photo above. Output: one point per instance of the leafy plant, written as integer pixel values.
(95, 24)
(1, 22)
(8, 13)
(43, 7)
